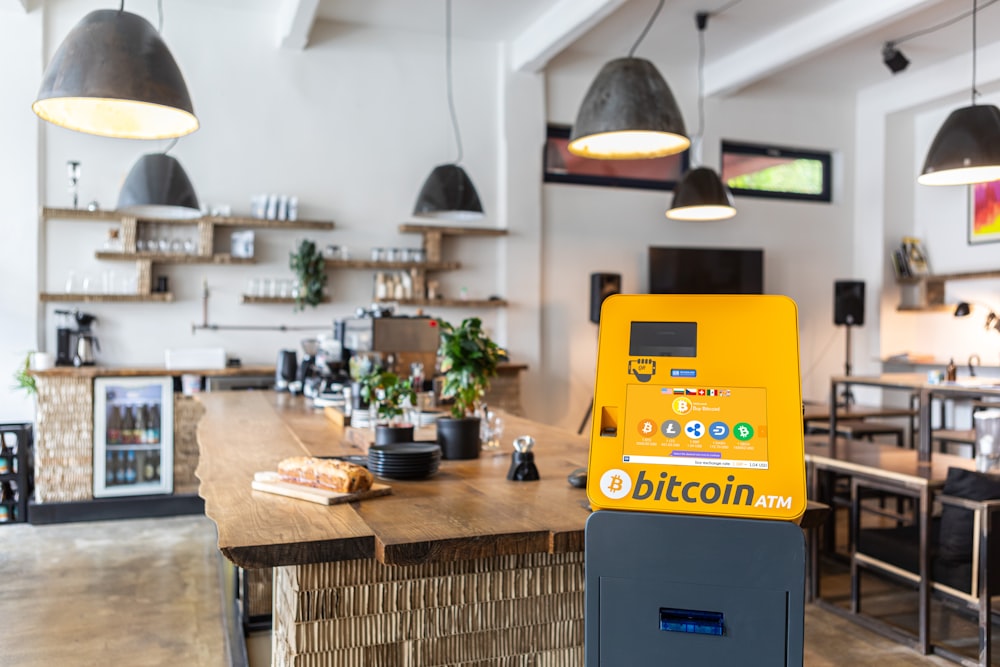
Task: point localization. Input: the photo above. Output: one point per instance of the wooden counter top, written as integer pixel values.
(467, 510)
(138, 371)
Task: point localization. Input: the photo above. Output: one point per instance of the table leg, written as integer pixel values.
(923, 630)
(924, 411)
(855, 525)
(833, 418)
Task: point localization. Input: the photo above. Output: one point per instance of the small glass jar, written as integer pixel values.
(378, 254)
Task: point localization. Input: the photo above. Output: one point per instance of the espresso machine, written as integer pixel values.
(392, 341)
(76, 344)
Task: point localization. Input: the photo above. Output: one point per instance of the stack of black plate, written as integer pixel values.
(404, 460)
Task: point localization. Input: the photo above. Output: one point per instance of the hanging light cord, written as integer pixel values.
(649, 24)
(121, 7)
(701, 81)
(159, 11)
(451, 97)
(939, 26)
(726, 6)
(975, 93)
(173, 142)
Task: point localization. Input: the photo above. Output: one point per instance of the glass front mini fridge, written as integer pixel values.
(133, 436)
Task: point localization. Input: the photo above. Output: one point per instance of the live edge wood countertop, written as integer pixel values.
(467, 510)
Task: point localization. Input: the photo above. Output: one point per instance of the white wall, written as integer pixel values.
(896, 122)
(593, 229)
(20, 44)
(352, 126)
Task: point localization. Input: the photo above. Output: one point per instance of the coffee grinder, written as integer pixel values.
(64, 338)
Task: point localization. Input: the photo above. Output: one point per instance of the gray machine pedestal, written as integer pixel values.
(666, 589)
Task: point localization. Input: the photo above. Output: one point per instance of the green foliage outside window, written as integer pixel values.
(800, 176)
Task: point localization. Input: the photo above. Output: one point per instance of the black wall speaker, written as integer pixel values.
(849, 302)
(602, 285)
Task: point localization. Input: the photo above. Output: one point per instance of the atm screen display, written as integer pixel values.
(663, 339)
(723, 427)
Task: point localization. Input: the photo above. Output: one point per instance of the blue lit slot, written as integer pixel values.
(692, 621)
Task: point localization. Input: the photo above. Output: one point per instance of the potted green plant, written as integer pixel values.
(468, 362)
(389, 395)
(310, 269)
(23, 377)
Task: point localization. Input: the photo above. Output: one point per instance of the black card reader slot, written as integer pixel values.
(691, 621)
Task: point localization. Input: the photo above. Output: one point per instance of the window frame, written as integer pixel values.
(825, 158)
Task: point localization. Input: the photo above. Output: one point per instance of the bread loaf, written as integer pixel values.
(331, 474)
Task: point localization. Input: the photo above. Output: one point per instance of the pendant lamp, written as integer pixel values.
(701, 194)
(966, 149)
(448, 193)
(158, 187)
(629, 112)
(114, 76)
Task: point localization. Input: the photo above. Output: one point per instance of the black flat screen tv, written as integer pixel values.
(706, 270)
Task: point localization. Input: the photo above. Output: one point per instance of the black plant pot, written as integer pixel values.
(459, 438)
(385, 435)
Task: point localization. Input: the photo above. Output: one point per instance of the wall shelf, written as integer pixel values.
(174, 258)
(930, 289)
(227, 221)
(154, 297)
(391, 266)
(270, 300)
(449, 303)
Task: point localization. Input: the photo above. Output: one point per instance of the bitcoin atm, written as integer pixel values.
(696, 474)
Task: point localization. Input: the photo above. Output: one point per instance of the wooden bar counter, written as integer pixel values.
(464, 568)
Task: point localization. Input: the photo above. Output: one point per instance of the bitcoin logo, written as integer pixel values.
(647, 427)
(615, 484)
(681, 406)
(743, 431)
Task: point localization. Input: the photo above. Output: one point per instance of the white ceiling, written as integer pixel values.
(830, 45)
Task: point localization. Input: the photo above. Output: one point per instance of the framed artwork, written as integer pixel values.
(561, 166)
(984, 213)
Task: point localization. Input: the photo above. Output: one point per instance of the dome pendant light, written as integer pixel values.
(629, 112)
(115, 77)
(701, 194)
(966, 149)
(158, 187)
(448, 193)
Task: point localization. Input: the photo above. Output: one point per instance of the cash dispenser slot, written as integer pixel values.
(609, 422)
(692, 621)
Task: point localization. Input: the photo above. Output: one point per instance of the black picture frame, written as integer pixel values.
(561, 166)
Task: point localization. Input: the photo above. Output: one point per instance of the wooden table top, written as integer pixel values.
(860, 457)
(142, 371)
(821, 412)
(467, 510)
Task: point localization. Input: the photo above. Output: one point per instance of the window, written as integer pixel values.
(757, 170)
(561, 166)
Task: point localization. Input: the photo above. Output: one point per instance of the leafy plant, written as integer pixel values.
(389, 392)
(23, 377)
(468, 362)
(308, 264)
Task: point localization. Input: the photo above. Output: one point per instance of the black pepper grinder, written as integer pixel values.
(522, 465)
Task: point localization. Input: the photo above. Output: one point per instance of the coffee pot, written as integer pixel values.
(86, 347)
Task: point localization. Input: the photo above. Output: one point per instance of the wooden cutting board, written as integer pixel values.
(270, 482)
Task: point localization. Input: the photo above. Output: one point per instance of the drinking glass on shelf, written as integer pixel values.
(176, 242)
(71, 283)
(189, 246)
(378, 255)
(283, 288)
(272, 287)
(253, 287)
(162, 239)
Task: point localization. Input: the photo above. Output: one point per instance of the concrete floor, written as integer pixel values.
(146, 592)
(140, 592)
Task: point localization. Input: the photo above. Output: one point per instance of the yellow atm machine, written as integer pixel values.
(697, 476)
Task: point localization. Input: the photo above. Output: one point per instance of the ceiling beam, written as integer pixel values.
(295, 20)
(19, 5)
(556, 29)
(824, 29)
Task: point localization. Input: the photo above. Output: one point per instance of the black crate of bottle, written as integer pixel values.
(15, 473)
